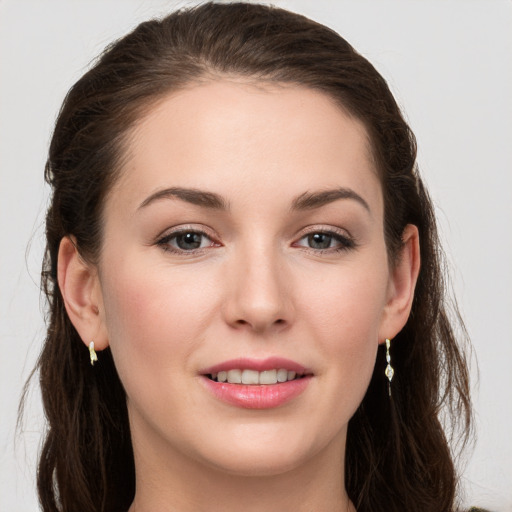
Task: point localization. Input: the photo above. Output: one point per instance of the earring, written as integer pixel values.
(92, 353)
(389, 372)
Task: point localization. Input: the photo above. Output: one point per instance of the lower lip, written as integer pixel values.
(266, 396)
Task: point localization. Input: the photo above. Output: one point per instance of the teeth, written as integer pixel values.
(282, 375)
(237, 376)
(268, 377)
(250, 377)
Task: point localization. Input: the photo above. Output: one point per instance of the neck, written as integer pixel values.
(173, 482)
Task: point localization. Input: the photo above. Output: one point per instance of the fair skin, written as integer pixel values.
(254, 272)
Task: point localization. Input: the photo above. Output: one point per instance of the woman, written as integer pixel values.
(243, 271)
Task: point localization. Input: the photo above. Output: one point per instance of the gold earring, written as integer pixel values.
(389, 372)
(92, 353)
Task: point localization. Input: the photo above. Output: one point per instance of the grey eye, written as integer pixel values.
(189, 241)
(320, 240)
(326, 240)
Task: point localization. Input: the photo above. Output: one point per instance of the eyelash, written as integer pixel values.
(164, 242)
(345, 242)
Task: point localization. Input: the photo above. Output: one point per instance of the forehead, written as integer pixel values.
(264, 136)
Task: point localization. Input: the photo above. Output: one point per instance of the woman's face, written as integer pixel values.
(244, 240)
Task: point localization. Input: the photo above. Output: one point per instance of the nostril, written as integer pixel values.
(260, 326)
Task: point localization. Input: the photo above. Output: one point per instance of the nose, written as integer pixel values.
(259, 293)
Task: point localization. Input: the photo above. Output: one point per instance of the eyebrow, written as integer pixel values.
(211, 200)
(312, 200)
(190, 195)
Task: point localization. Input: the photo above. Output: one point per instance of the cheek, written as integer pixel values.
(153, 317)
(349, 303)
(344, 314)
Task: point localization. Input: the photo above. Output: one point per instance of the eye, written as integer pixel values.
(326, 240)
(186, 241)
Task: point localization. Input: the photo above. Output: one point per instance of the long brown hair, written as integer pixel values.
(398, 454)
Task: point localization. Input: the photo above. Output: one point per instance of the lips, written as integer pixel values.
(256, 384)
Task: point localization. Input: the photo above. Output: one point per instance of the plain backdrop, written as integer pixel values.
(448, 63)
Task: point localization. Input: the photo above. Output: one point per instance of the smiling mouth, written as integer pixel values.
(254, 377)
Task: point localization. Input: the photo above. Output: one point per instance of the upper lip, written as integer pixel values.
(260, 365)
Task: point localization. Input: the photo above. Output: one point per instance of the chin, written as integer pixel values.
(264, 456)
(260, 465)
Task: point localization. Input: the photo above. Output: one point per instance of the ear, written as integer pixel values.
(80, 288)
(401, 286)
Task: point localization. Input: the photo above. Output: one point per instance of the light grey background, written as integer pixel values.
(448, 63)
